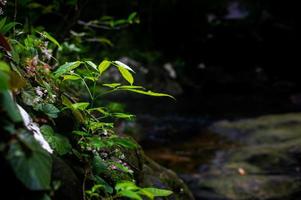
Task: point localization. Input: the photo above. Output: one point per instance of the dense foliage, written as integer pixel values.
(65, 102)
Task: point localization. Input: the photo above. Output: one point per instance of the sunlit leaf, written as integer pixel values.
(123, 115)
(103, 66)
(100, 125)
(150, 93)
(4, 67)
(80, 106)
(146, 193)
(66, 102)
(121, 64)
(158, 192)
(71, 77)
(130, 194)
(111, 85)
(126, 185)
(126, 75)
(4, 79)
(125, 87)
(91, 64)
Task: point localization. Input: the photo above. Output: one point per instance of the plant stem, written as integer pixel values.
(92, 98)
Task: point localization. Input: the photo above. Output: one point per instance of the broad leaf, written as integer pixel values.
(58, 142)
(120, 64)
(126, 185)
(158, 192)
(130, 194)
(7, 103)
(103, 66)
(80, 106)
(126, 75)
(4, 79)
(105, 185)
(124, 142)
(65, 68)
(91, 64)
(33, 168)
(98, 165)
(48, 109)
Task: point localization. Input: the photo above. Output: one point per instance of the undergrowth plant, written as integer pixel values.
(73, 92)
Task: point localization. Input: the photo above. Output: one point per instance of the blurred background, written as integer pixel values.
(232, 66)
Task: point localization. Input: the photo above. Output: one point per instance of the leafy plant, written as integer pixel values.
(74, 91)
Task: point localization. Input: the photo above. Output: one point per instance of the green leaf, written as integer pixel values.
(120, 64)
(80, 133)
(96, 142)
(122, 168)
(58, 142)
(91, 64)
(100, 110)
(111, 85)
(105, 185)
(4, 67)
(126, 75)
(125, 87)
(158, 192)
(49, 37)
(80, 106)
(150, 93)
(126, 185)
(124, 142)
(100, 125)
(49, 109)
(103, 66)
(2, 22)
(8, 104)
(66, 102)
(8, 26)
(71, 77)
(132, 16)
(4, 79)
(98, 165)
(146, 193)
(123, 116)
(129, 194)
(32, 169)
(65, 68)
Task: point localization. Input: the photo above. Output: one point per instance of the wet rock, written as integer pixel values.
(264, 165)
